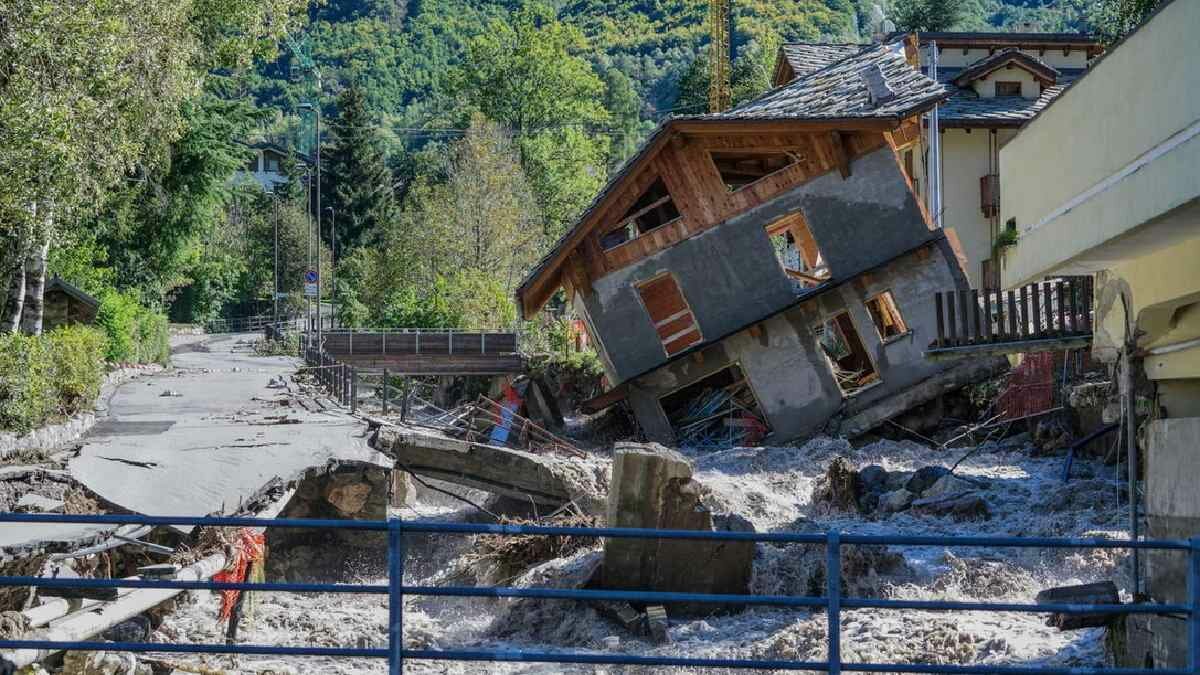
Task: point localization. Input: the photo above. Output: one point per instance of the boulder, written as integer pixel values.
(925, 477)
(896, 500)
(960, 506)
(873, 478)
(948, 485)
(839, 488)
(652, 487)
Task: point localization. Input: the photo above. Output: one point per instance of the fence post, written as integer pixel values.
(385, 391)
(395, 596)
(354, 390)
(1194, 598)
(833, 593)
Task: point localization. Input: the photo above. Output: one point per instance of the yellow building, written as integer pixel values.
(999, 81)
(1106, 181)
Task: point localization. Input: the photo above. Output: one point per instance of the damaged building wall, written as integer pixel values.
(729, 275)
(785, 367)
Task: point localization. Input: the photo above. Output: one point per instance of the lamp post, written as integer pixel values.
(333, 264)
(275, 275)
(317, 160)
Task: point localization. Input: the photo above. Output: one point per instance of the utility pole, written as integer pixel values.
(317, 143)
(275, 276)
(333, 264)
(308, 245)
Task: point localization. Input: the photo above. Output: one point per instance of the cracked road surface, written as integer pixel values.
(222, 438)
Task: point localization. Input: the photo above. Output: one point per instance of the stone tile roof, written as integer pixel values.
(966, 108)
(838, 91)
(807, 58)
(989, 63)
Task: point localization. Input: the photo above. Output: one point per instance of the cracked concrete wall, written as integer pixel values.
(785, 367)
(729, 274)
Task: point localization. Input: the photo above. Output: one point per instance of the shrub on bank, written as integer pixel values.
(45, 376)
(135, 334)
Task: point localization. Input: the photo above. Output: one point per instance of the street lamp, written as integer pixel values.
(333, 265)
(317, 160)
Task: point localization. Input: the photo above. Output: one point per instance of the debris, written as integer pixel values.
(925, 477)
(652, 487)
(623, 614)
(163, 571)
(612, 643)
(1098, 593)
(130, 462)
(949, 484)
(170, 393)
(498, 558)
(31, 502)
(656, 623)
(136, 629)
(840, 488)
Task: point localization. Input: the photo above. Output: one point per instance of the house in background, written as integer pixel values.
(1105, 181)
(999, 81)
(765, 270)
(65, 304)
(266, 165)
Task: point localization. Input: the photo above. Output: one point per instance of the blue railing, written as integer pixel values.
(833, 602)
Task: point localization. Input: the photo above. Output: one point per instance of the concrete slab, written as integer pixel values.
(224, 437)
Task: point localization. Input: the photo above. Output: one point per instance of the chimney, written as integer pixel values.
(878, 91)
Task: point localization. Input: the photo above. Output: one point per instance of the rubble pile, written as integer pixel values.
(874, 491)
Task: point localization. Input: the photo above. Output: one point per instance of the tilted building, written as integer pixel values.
(767, 269)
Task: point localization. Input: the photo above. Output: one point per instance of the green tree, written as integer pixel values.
(358, 183)
(1112, 19)
(624, 108)
(927, 15)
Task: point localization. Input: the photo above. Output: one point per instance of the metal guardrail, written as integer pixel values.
(833, 602)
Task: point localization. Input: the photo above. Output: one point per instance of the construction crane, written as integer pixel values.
(720, 55)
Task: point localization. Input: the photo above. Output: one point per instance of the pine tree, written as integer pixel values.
(357, 181)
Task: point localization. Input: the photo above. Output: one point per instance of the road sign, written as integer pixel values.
(281, 296)
(310, 290)
(310, 277)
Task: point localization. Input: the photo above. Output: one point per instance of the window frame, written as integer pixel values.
(713, 160)
(899, 316)
(829, 362)
(997, 93)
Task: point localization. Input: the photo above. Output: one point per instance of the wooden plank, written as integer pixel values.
(941, 324)
(1035, 294)
(950, 322)
(964, 300)
(840, 153)
(1062, 306)
(1048, 306)
(977, 335)
(987, 314)
(1024, 320)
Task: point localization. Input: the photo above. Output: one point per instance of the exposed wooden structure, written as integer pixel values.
(682, 159)
(1047, 315)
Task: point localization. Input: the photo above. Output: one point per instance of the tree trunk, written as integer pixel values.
(35, 285)
(11, 319)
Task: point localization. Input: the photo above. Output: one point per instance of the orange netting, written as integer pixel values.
(249, 550)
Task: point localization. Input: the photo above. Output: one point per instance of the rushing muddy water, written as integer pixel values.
(772, 488)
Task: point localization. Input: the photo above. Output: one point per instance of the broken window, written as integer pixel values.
(739, 168)
(718, 411)
(797, 251)
(652, 210)
(888, 322)
(670, 314)
(847, 357)
(1004, 88)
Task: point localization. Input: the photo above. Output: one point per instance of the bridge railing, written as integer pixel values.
(832, 603)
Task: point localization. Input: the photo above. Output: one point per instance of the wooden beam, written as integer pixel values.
(841, 154)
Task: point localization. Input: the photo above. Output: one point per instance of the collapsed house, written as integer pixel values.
(750, 275)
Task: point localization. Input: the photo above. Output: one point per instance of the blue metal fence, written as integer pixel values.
(833, 601)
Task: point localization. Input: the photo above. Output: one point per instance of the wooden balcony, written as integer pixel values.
(989, 195)
(1042, 316)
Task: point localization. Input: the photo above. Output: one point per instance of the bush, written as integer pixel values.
(77, 363)
(43, 376)
(135, 334)
(27, 395)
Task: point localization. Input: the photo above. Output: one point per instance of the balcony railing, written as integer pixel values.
(1049, 314)
(989, 194)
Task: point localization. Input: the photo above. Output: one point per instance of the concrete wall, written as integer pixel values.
(964, 161)
(730, 275)
(786, 369)
(1063, 174)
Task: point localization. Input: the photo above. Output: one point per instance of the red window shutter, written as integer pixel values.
(670, 314)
